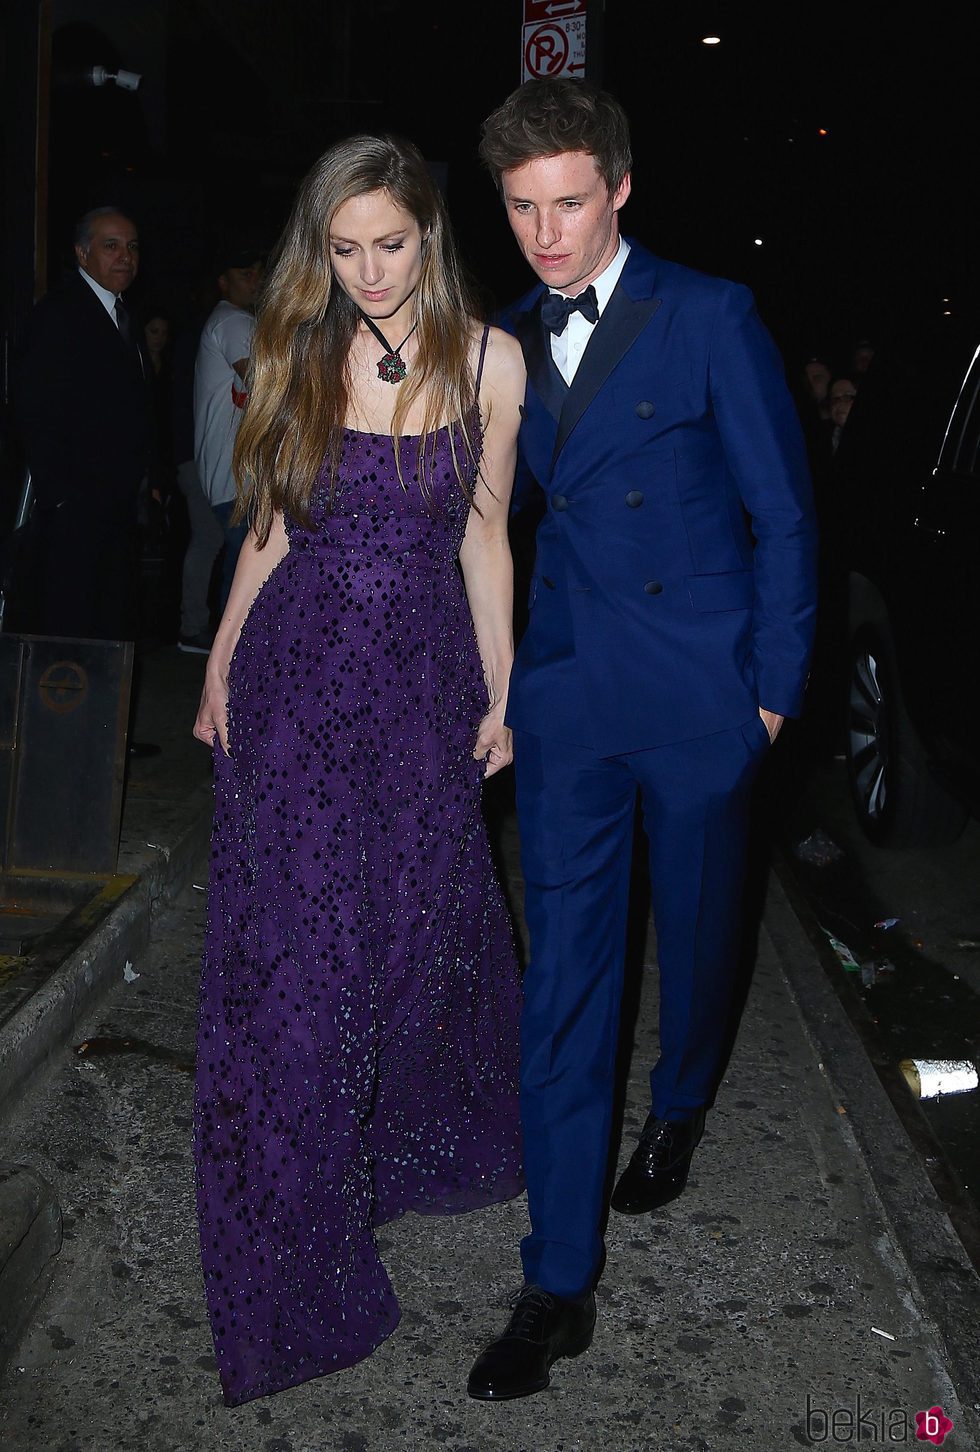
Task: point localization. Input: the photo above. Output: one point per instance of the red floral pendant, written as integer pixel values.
(391, 368)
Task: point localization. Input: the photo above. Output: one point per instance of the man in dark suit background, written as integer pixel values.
(670, 625)
(82, 406)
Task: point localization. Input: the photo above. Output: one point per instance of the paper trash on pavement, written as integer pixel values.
(818, 849)
(844, 953)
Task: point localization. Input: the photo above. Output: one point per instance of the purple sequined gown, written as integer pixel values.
(358, 1034)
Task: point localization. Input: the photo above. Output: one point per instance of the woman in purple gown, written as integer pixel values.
(358, 1032)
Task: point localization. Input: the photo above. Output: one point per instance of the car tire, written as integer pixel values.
(897, 800)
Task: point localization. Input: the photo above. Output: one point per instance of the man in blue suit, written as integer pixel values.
(670, 626)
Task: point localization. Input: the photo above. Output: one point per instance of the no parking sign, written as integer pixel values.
(553, 39)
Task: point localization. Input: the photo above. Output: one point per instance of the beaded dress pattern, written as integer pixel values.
(357, 1053)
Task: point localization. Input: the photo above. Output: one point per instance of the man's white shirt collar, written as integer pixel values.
(106, 298)
(567, 347)
(608, 277)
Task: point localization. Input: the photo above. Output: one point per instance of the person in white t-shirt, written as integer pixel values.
(220, 394)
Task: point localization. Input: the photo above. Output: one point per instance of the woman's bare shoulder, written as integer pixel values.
(504, 361)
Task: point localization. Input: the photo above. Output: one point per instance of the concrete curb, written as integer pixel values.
(37, 1031)
(884, 1127)
(46, 1021)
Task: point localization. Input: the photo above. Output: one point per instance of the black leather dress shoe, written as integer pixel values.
(657, 1171)
(542, 1328)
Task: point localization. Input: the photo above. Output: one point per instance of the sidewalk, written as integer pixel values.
(46, 995)
(747, 1313)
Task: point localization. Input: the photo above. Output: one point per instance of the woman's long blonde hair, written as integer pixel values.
(299, 379)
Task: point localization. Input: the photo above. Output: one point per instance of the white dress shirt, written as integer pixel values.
(106, 298)
(567, 347)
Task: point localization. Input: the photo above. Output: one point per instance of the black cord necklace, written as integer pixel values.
(391, 368)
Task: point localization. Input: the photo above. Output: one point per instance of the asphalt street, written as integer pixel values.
(911, 919)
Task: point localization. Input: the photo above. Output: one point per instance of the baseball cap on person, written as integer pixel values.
(239, 255)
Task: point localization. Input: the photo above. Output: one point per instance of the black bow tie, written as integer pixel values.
(556, 308)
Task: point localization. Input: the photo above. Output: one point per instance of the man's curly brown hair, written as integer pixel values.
(547, 117)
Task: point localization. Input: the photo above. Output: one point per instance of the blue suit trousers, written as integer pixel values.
(576, 813)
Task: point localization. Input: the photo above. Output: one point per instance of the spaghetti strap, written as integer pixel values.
(483, 354)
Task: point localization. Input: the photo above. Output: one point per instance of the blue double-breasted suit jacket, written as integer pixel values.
(674, 585)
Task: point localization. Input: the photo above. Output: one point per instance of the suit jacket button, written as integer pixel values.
(645, 409)
(653, 587)
(558, 501)
(634, 499)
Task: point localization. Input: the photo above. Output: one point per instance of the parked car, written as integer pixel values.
(907, 510)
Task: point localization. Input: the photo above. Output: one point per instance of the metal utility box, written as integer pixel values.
(64, 708)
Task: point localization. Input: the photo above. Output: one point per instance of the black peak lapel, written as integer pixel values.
(96, 315)
(548, 383)
(621, 323)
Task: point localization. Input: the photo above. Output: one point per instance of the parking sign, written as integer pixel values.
(553, 39)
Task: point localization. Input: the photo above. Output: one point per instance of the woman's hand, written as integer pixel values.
(255, 565)
(212, 714)
(494, 741)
